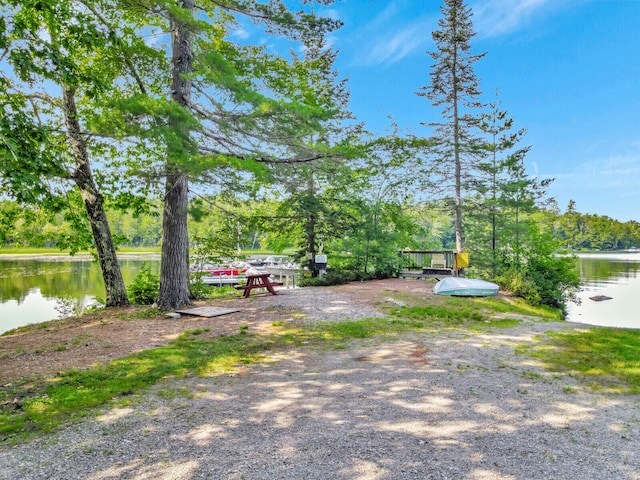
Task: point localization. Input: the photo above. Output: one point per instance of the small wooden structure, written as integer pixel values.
(432, 263)
(258, 281)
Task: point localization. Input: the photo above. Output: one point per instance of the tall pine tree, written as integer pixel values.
(229, 107)
(455, 88)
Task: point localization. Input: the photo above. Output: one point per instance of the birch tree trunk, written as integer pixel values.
(116, 293)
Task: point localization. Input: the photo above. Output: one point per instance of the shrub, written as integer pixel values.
(202, 291)
(332, 277)
(145, 287)
(543, 280)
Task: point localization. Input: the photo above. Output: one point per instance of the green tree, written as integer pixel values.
(229, 108)
(64, 60)
(505, 194)
(454, 87)
(314, 188)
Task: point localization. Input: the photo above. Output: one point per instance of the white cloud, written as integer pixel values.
(394, 46)
(240, 32)
(498, 17)
(606, 186)
(385, 39)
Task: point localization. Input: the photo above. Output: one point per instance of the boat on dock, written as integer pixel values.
(213, 274)
(235, 272)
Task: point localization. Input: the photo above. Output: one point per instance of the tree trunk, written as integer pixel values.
(310, 229)
(457, 160)
(174, 270)
(310, 234)
(457, 173)
(174, 266)
(116, 293)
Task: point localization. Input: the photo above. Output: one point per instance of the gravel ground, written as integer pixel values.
(449, 406)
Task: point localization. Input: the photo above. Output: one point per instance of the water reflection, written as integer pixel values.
(37, 290)
(612, 275)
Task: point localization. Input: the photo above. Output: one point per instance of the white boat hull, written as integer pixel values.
(465, 287)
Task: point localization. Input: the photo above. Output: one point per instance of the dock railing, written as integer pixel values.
(429, 263)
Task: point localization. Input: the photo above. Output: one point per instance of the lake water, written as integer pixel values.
(615, 275)
(37, 289)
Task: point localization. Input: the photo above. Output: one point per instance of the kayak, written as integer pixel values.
(466, 287)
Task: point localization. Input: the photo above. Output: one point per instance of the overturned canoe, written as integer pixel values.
(465, 287)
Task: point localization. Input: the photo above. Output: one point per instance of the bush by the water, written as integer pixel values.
(543, 280)
(145, 287)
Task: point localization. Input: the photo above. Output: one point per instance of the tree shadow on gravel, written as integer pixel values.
(453, 407)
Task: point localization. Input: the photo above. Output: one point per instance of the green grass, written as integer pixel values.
(142, 314)
(472, 313)
(31, 251)
(606, 359)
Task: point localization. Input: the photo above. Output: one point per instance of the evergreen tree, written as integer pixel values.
(316, 189)
(230, 107)
(491, 213)
(454, 87)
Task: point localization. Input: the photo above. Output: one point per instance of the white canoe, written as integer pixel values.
(466, 287)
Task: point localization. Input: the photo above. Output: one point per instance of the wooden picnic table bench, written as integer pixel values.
(260, 280)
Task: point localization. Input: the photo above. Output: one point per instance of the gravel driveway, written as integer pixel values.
(450, 406)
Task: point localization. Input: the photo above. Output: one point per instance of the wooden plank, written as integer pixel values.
(208, 311)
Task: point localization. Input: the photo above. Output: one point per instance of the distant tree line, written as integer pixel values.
(587, 232)
(254, 227)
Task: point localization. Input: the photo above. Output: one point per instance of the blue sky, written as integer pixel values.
(566, 70)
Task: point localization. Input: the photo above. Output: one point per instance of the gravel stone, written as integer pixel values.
(423, 406)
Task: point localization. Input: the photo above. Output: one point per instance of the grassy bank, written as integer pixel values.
(607, 359)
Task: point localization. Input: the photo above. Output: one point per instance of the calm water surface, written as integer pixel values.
(34, 290)
(615, 275)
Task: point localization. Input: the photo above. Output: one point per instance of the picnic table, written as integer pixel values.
(257, 281)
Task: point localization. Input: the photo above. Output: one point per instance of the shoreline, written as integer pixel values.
(79, 257)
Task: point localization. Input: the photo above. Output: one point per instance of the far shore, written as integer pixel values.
(79, 257)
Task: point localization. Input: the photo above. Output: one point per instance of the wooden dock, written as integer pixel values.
(430, 263)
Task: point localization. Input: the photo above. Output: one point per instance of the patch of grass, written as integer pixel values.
(33, 251)
(366, 328)
(202, 291)
(451, 313)
(141, 314)
(606, 359)
(502, 322)
(198, 331)
(171, 393)
(46, 403)
(474, 314)
(30, 327)
(518, 306)
(80, 339)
